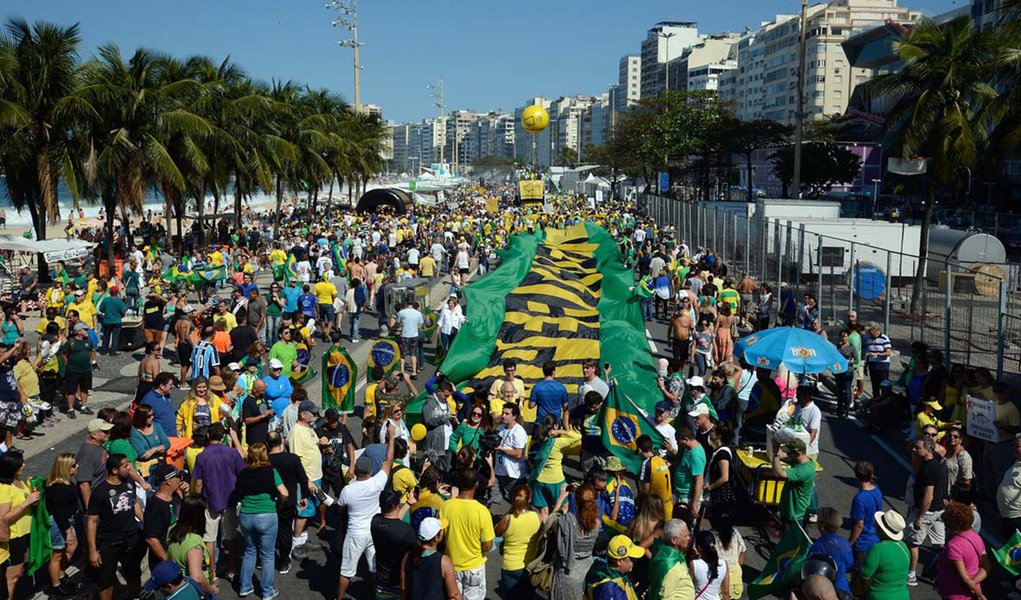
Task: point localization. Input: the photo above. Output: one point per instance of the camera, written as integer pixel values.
(488, 443)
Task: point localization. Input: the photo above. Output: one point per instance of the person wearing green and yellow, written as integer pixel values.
(799, 480)
(609, 580)
(885, 568)
(669, 578)
(550, 443)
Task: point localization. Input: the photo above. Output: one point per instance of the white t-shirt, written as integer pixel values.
(463, 260)
(669, 433)
(413, 255)
(362, 501)
(811, 418)
(304, 269)
(596, 384)
(437, 251)
(514, 438)
(700, 576)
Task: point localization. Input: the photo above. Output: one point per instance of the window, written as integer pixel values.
(832, 256)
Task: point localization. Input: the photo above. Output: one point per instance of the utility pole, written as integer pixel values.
(348, 19)
(667, 36)
(437, 94)
(800, 116)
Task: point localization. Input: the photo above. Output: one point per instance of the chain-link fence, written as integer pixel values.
(968, 311)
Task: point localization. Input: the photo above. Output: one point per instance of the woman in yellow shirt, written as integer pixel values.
(927, 417)
(16, 502)
(550, 445)
(520, 531)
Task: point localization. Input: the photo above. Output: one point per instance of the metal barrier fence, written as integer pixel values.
(965, 310)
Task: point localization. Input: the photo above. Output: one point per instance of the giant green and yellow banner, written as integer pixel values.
(562, 296)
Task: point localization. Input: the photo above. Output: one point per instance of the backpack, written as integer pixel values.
(390, 480)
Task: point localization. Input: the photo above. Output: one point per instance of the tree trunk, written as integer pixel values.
(923, 250)
(237, 203)
(110, 203)
(167, 203)
(748, 164)
(329, 201)
(280, 201)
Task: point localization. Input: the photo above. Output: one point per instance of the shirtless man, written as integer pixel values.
(679, 333)
(182, 332)
(746, 287)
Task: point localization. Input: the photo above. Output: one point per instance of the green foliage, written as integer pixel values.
(823, 165)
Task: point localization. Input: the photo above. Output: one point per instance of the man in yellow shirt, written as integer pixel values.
(469, 535)
(86, 310)
(497, 397)
(52, 316)
(303, 442)
(222, 312)
(427, 266)
(654, 475)
(326, 293)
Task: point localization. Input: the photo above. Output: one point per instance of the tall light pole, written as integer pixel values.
(437, 94)
(800, 116)
(347, 18)
(667, 36)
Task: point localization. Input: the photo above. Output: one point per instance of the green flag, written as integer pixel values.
(784, 563)
(339, 376)
(40, 548)
(623, 422)
(1010, 555)
(208, 274)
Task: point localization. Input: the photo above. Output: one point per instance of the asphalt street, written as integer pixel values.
(315, 570)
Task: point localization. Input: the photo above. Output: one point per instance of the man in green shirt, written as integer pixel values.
(285, 350)
(78, 368)
(668, 572)
(113, 310)
(799, 480)
(689, 475)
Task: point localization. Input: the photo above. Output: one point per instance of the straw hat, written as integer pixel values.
(892, 524)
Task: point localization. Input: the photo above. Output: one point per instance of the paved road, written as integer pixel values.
(314, 573)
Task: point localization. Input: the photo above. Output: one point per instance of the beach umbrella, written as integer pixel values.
(800, 350)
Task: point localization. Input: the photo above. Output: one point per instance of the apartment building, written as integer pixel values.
(666, 41)
(701, 66)
(532, 148)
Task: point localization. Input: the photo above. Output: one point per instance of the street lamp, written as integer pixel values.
(875, 195)
(667, 36)
(437, 94)
(347, 18)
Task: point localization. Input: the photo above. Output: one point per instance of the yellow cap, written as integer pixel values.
(621, 546)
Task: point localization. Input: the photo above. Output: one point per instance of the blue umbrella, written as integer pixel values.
(800, 350)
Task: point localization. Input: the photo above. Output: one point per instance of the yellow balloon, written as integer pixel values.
(534, 119)
(418, 432)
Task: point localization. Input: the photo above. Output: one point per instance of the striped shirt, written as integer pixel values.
(203, 358)
(878, 345)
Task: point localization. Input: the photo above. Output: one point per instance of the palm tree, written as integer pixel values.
(38, 75)
(940, 95)
(138, 114)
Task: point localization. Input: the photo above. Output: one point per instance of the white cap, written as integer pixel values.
(696, 381)
(275, 364)
(699, 410)
(429, 528)
(234, 366)
(187, 308)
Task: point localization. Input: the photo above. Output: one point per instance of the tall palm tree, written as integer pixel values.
(137, 113)
(38, 74)
(940, 95)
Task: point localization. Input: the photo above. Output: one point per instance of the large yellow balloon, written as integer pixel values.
(534, 119)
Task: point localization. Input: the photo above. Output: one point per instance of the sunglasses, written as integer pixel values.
(476, 414)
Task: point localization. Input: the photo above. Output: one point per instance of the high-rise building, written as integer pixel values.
(566, 116)
(985, 13)
(629, 80)
(765, 85)
(492, 135)
(666, 41)
(700, 66)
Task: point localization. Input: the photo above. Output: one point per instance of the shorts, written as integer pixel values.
(472, 583)
(184, 353)
(746, 300)
(313, 502)
(932, 529)
(327, 312)
(58, 539)
(18, 548)
(858, 374)
(354, 546)
(462, 270)
(154, 335)
(545, 495)
(409, 346)
(10, 414)
(75, 381)
(224, 522)
(129, 554)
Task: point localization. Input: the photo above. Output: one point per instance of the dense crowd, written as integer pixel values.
(232, 480)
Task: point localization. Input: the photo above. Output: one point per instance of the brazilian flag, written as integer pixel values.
(207, 274)
(40, 547)
(560, 295)
(384, 353)
(1010, 555)
(339, 376)
(339, 259)
(286, 270)
(432, 319)
(784, 563)
(623, 422)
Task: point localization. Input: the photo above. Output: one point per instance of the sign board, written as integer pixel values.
(548, 209)
(531, 189)
(982, 419)
(69, 254)
(599, 196)
(664, 182)
(492, 205)
(412, 185)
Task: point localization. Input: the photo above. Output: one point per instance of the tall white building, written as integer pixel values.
(700, 66)
(666, 41)
(629, 80)
(492, 135)
(765, 84)
(566, 116)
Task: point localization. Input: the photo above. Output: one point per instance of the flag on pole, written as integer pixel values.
(623, 422)
(784, 563)
(1010, 555)
(339, 376)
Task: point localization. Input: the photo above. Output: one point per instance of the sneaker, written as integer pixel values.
(244, 593)
(284, 569)
(184, 386)
(912, 579)
(85, 410)
(271, 595)
(71, 415)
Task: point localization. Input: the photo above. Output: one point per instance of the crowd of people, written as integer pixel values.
(227, 486)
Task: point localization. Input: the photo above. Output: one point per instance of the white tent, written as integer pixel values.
(52, 250)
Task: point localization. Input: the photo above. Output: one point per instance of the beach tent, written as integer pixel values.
(54, 250)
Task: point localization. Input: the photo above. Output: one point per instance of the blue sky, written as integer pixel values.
(491, 53)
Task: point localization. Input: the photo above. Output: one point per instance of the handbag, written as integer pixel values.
(540, 569)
